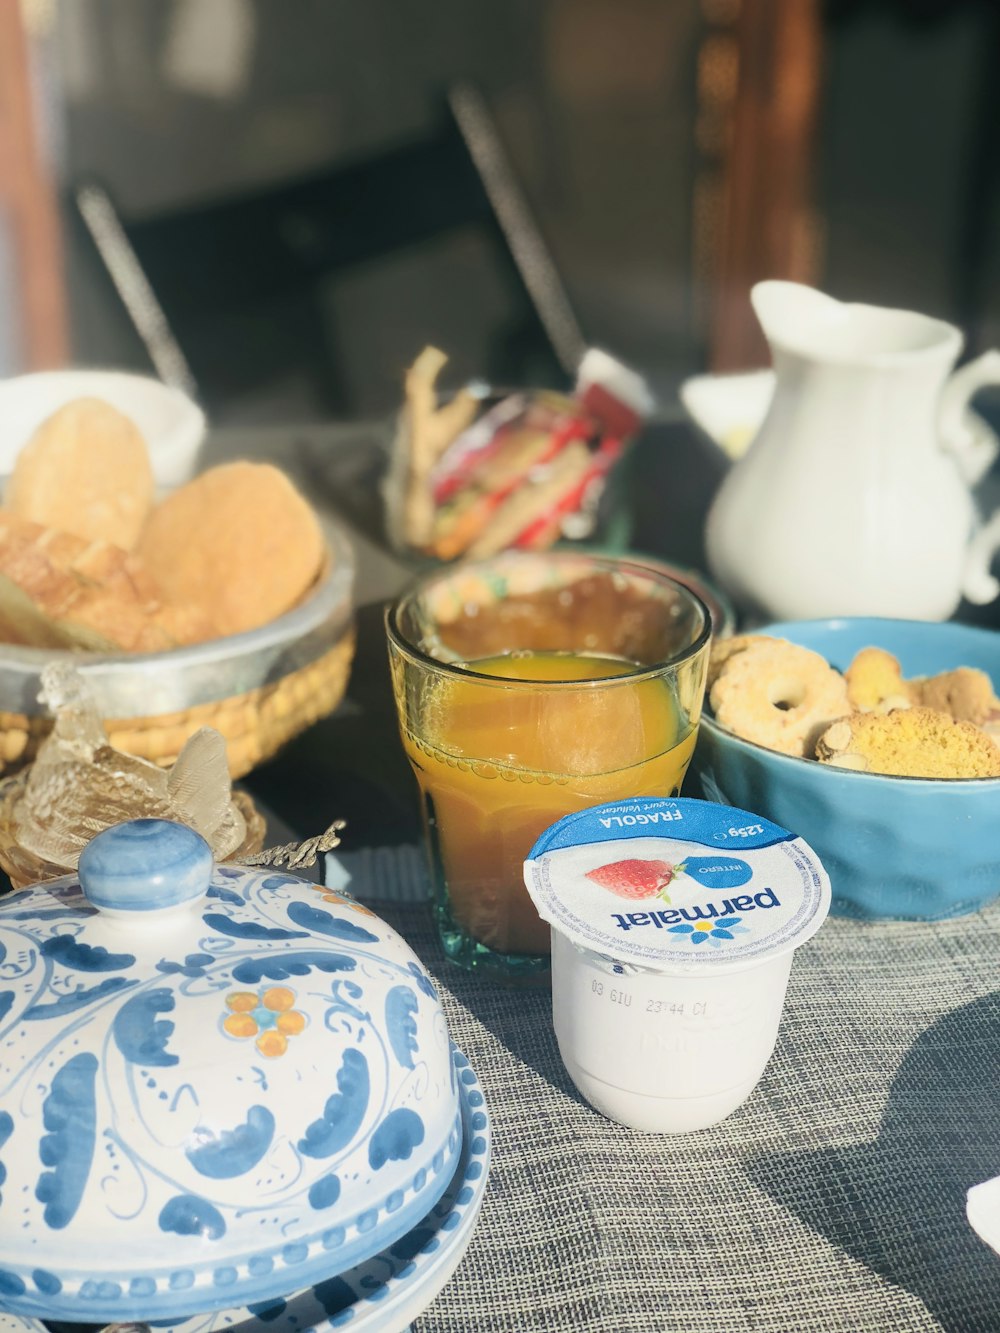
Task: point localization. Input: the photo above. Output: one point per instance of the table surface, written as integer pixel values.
(834, 1199)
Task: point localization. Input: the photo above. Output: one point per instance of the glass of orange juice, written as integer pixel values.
(528, 686)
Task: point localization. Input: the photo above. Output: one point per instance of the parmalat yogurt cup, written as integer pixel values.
(673, 924)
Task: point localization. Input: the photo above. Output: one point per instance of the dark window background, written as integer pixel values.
(596, 102)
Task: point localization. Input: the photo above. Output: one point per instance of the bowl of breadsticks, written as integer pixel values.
(222, 601)
(878, 741)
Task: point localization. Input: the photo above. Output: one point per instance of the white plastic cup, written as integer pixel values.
(657, 1029)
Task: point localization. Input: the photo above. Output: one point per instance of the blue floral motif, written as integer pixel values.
(279, 882)
(69, 1114)
(281, 966)
(231, 1152)
(343, 1112)
(141, 1036)
(395, 1138)
(188, 1215)
(422, 980)
(226, 896)
(194, 965)
(77, 999)
(6, 1129)
(401, 1025)
(317, 921)
(248, 930)
(324, 1192)
(74, 953)
(711, 932)
(11, 1284)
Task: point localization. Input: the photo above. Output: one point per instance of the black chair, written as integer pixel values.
(230, 295)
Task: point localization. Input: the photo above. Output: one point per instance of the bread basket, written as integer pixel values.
(260, 689)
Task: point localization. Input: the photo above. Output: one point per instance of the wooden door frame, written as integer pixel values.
(28, 204)
(766, 114)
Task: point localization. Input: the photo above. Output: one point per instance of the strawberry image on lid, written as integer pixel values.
(635, 878)
(644, 880)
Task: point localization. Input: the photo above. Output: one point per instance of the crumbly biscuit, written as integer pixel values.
(779, 695)
(85, 471)
(913, 742)
(964, 694)
(238, 543)
(875, 682)
(723, 649)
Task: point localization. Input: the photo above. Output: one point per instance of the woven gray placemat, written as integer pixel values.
(834, 1199)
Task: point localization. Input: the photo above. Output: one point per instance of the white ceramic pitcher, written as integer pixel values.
(855, 497)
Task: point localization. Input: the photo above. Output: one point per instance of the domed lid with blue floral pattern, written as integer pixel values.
(217, 1085)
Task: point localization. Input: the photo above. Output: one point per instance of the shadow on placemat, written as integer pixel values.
(897, 1204)
(519, 1017)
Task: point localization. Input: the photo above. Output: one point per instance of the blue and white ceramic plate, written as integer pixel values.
(13, 1323)
(387, 1292)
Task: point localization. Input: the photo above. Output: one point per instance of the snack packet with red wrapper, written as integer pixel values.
(525, 471)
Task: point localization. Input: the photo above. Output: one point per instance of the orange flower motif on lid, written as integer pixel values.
(331, 896)
(268, 1015)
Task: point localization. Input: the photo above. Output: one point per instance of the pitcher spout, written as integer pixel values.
(789, 310)
(806, 322)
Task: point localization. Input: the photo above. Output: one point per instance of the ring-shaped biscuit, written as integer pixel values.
(779, 695)
(723, 650)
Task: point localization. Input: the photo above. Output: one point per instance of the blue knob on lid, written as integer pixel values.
(145, 865)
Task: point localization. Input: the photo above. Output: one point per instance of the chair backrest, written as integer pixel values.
(229, 292)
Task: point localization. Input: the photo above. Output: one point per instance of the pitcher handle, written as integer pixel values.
(979, 585)
(964, 433)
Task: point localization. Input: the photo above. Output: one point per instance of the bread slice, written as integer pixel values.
(85, 471)
(61, 591)
(238, 543)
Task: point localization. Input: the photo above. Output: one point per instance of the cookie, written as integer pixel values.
(723, 649)
(778, 695)
(964, 694)
(912, 742)
(875, 682)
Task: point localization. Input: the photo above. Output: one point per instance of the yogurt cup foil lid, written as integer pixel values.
(677, 885)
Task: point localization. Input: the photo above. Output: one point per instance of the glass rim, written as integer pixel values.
(612, 564)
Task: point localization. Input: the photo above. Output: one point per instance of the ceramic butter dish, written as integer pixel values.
(217, 1085)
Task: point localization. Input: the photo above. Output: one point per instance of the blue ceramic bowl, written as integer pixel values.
(913, 849)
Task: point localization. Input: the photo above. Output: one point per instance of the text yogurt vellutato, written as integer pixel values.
(673, 924)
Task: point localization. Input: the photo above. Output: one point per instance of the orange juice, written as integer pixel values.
(498, 761)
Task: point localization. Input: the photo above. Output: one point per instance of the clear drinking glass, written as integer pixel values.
(529, 686)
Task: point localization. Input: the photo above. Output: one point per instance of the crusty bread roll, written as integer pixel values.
(58, 590)
(85, 471)
(239, 543)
